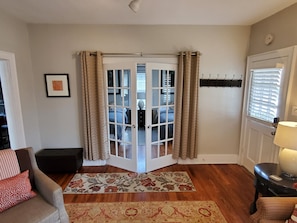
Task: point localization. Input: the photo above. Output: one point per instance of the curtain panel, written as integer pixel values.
(95, 126)
(186, 115)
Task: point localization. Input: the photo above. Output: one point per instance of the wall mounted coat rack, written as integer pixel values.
(221, 80)
(220, 83)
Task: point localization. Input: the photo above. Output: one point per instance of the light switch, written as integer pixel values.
(294, 110)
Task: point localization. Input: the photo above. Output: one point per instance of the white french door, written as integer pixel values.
(160, 121)
(121, 115)
(267, 79)
(140, 115)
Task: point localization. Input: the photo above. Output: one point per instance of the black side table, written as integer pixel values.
(286, 187)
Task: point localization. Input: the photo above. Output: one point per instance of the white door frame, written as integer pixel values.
(10, 88)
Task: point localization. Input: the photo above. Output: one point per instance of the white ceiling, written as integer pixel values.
(152, 12)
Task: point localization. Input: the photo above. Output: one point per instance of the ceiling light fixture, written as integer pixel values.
(134, 5)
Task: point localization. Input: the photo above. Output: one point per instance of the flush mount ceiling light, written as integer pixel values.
(134, 5)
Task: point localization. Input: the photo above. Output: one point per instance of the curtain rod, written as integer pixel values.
(140, 54)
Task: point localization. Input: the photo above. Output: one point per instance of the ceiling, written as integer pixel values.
(152, 12)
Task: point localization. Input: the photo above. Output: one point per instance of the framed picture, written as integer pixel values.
(57, 85)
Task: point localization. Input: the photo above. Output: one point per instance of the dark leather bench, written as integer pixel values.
(59, 160)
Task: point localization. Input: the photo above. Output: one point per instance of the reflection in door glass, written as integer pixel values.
(118, 82)
(163, 82)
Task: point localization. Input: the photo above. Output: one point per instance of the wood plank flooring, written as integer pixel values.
(229, 185)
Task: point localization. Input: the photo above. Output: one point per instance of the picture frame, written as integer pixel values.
(57, 85)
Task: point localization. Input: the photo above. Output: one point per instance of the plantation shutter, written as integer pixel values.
(265, 94)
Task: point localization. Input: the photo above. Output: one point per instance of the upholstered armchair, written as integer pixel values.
(274, 209)
(32, 196)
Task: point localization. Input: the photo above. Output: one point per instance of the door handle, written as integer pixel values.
(274, 124)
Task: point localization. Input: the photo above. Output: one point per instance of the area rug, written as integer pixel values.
(146, 212)
(96, 183)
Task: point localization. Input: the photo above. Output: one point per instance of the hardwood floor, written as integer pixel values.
(230, 186)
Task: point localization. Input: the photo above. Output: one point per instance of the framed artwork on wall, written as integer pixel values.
(57, 85)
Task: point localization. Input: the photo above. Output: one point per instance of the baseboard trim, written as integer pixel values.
(94, 162)
(212, 159)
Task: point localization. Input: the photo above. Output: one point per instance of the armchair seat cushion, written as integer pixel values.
(33, 210)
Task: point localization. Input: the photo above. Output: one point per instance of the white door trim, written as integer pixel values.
(10, 88)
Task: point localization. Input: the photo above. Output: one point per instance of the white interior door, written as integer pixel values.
(121, 97)
(160, 115)
(267, 80)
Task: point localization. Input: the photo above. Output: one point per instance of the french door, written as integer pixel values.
(140, 115)
(160, 121)
(266, 91)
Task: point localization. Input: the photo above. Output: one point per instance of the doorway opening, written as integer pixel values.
(11, 96)
(141, 115)
(4, 134)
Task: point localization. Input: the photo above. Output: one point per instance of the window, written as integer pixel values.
(265, 93)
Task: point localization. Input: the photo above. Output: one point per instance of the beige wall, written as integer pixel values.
(14, 38)
(282, 25)
(223, 49)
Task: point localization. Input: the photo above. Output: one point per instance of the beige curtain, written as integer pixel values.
(94, 107)
(186, 115)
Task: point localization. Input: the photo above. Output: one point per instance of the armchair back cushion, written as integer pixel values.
(9, 165)
(24, 161)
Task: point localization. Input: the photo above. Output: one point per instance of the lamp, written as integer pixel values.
(134, 5)
(286, 139)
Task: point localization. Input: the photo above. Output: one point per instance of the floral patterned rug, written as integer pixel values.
(145, 212)
(95, 183)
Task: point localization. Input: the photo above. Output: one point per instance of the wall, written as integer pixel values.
(223, 49)
(14, 38)
(283, 27)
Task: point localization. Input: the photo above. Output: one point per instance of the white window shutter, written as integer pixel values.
(264, 94)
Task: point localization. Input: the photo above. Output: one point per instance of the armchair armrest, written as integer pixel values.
(47, 188)
(274, 208)
(51, 192)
